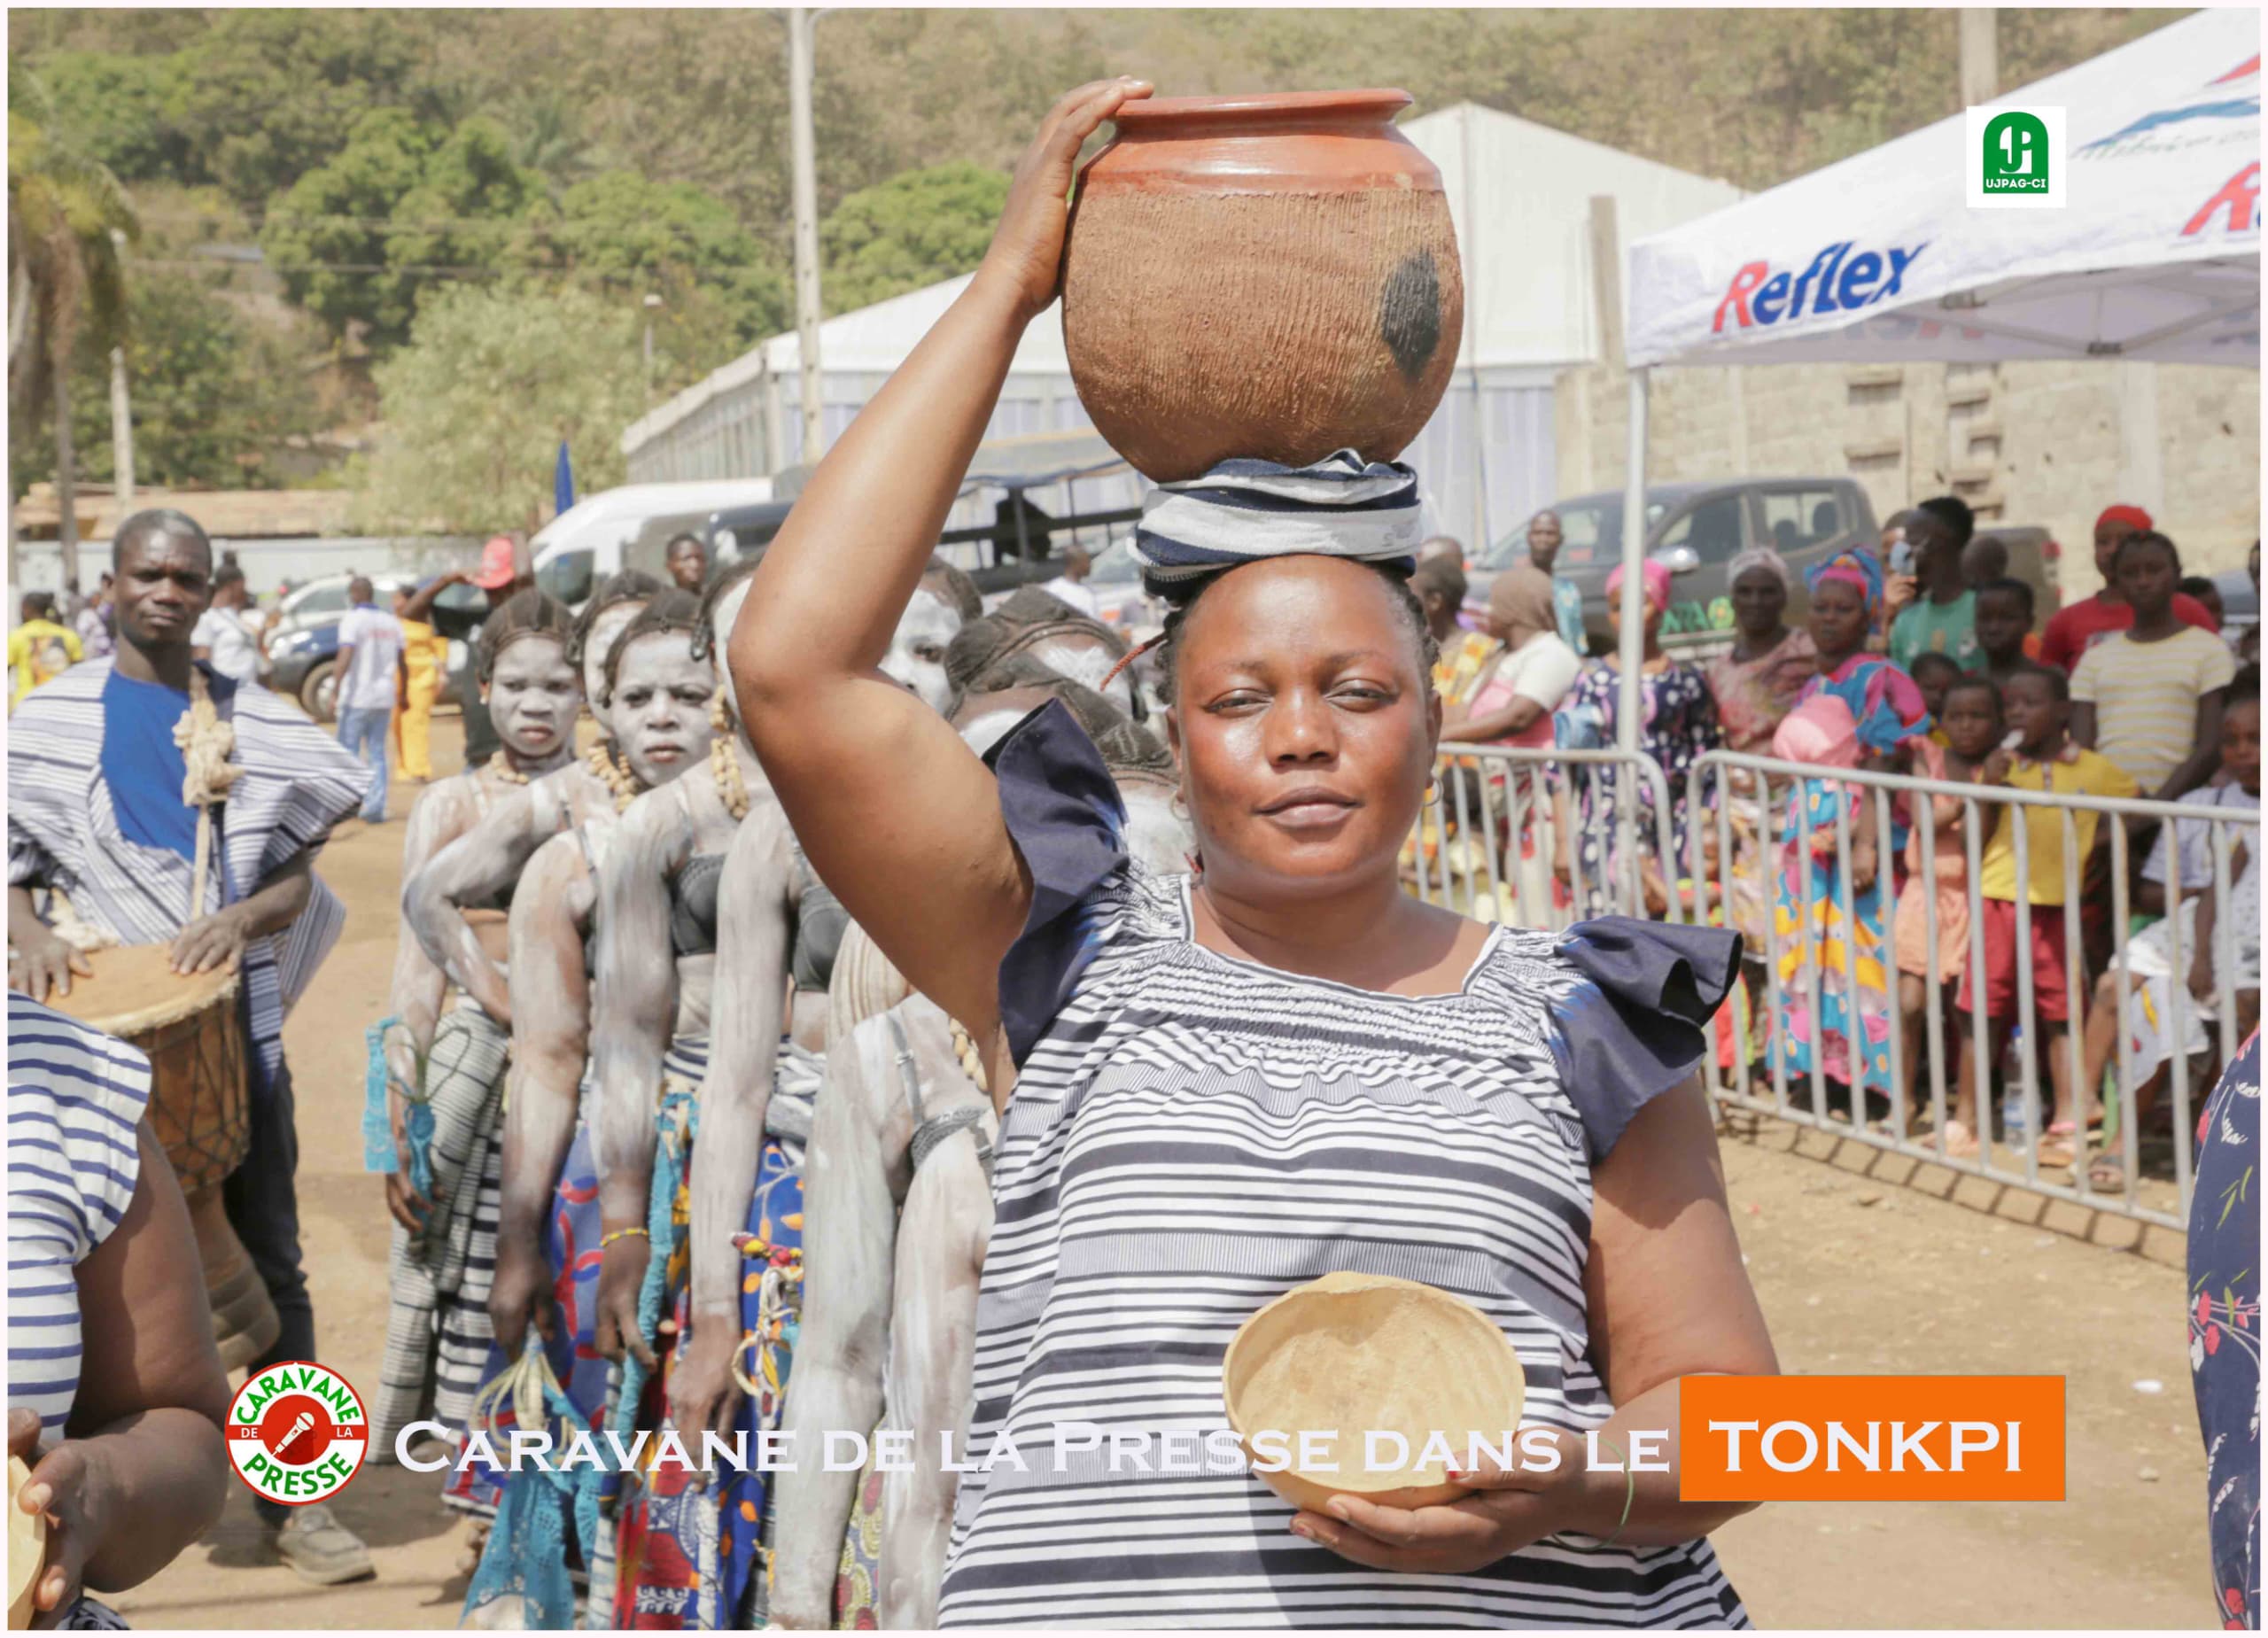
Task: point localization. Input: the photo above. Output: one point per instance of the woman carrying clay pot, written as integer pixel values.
(1250, 1063)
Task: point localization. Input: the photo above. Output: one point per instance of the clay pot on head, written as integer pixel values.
(1263, 276)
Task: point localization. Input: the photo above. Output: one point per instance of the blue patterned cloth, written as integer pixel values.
(2224, 1329)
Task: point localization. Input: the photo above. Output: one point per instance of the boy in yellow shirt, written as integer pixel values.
(39, 649)
(2038, 755)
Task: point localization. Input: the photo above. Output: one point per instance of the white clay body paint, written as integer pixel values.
(987, 729)
(533, 697)
(916, 659)
(1156, 837)
(598, 642)
(660, 706)
(1086, 660)
(723, 618)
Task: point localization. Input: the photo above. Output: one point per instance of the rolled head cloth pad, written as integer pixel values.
(1243, 511)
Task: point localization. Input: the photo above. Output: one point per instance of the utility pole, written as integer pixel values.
(121, 420)
(800, 19)
(1980, 56)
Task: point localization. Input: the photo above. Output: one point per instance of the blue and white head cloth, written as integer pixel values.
(1243, 511)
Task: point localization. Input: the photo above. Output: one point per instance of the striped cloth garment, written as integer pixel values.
(1244, 511)
(295, 782)
(75, 1097)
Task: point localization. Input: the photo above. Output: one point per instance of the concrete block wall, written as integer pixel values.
(2048, 445)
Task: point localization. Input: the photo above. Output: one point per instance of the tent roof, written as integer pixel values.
(2154, 256)
(1519, 194)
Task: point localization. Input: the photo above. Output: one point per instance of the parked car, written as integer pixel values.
(737, 531)
(303, 645)
(2239, 601)
(1695, 530)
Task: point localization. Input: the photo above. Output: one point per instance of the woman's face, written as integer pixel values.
(916, 660)
(1304, 727)
(660, 707)
(1649, 616)
(598, 642)
(1838, 617)
(1760, 599)
(533, 696)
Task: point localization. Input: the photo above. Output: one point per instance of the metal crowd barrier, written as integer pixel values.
(1773, 782)
(1487, 798)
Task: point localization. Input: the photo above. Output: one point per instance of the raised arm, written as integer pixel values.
(936, 882)
(755, 910)
(550, 1040)
(421, 602)
(480, 864)
(631, 1018)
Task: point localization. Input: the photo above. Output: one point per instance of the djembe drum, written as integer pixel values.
(199, 1107)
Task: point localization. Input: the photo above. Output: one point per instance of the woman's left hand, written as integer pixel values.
(217, 941)
(71, 1490)
(1508, 1510)
(1027, 250)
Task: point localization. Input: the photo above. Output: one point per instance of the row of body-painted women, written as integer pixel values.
(620, 931)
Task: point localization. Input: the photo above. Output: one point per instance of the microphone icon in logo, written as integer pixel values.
(300, 1423)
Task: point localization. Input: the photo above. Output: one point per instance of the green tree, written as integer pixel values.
(910, 231)
(68, 220)
(401, 207)
(125, 112)
(474, 406)
(271, 94)
(621, 234)
(211, 394)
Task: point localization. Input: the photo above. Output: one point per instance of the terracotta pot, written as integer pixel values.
(1269, 277)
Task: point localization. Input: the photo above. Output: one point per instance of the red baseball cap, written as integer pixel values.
(497, 569)
(2132, 515)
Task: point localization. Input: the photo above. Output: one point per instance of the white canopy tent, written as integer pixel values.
(2154, 257)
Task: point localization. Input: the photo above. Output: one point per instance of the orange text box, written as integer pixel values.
(1870, 1439)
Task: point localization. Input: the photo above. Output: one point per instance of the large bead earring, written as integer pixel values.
(720, 715)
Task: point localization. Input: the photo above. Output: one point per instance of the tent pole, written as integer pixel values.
(1634, 558)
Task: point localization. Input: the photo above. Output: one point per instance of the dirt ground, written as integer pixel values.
(1864, 1264)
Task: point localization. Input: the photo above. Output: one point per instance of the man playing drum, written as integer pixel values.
(100, 806)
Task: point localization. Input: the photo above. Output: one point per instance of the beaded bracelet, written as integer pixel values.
(1630, 1495)
(613, 1235)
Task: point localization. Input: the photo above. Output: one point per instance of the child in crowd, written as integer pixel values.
(2150, 697)
(2207, 594)
(2005, 610)
(1968, 714)
(2079, 626)
(2137, 992)
(1933, 674)
(2036, 703)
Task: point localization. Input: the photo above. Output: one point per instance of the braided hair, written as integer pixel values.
(1182, 598)
(952, 583)
(530, 613)
(670, 610)
(629, 586)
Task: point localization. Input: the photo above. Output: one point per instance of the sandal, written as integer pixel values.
(2055, 1152)
(2105, 1175)
(1960, 1142)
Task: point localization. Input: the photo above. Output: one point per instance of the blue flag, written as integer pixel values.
(563, 482)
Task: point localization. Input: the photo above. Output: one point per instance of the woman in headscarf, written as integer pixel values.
(1512, 704)
(1883, 709)
(1680, 723)
(1208, 1081)
(1755, 685)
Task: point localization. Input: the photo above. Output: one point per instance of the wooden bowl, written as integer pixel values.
(26, 1548)
(1354, 1353)
(1273, 277)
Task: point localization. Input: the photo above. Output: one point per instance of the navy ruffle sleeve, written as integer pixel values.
(1636, 1023)
(1064, 815)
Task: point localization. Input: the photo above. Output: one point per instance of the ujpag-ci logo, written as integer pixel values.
(2016, 158)
(296, 1432)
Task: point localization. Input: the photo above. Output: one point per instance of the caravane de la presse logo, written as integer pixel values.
(2016, 154)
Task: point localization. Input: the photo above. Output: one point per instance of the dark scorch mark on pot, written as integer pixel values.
(1409, 314)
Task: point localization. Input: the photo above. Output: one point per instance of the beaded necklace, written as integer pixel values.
(614, 775)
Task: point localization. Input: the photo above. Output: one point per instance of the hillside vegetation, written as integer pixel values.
(306, 180)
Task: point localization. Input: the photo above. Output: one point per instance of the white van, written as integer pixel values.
(616, 530)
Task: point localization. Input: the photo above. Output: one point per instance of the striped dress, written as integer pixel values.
(75, 1097)
(1192, 1136)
